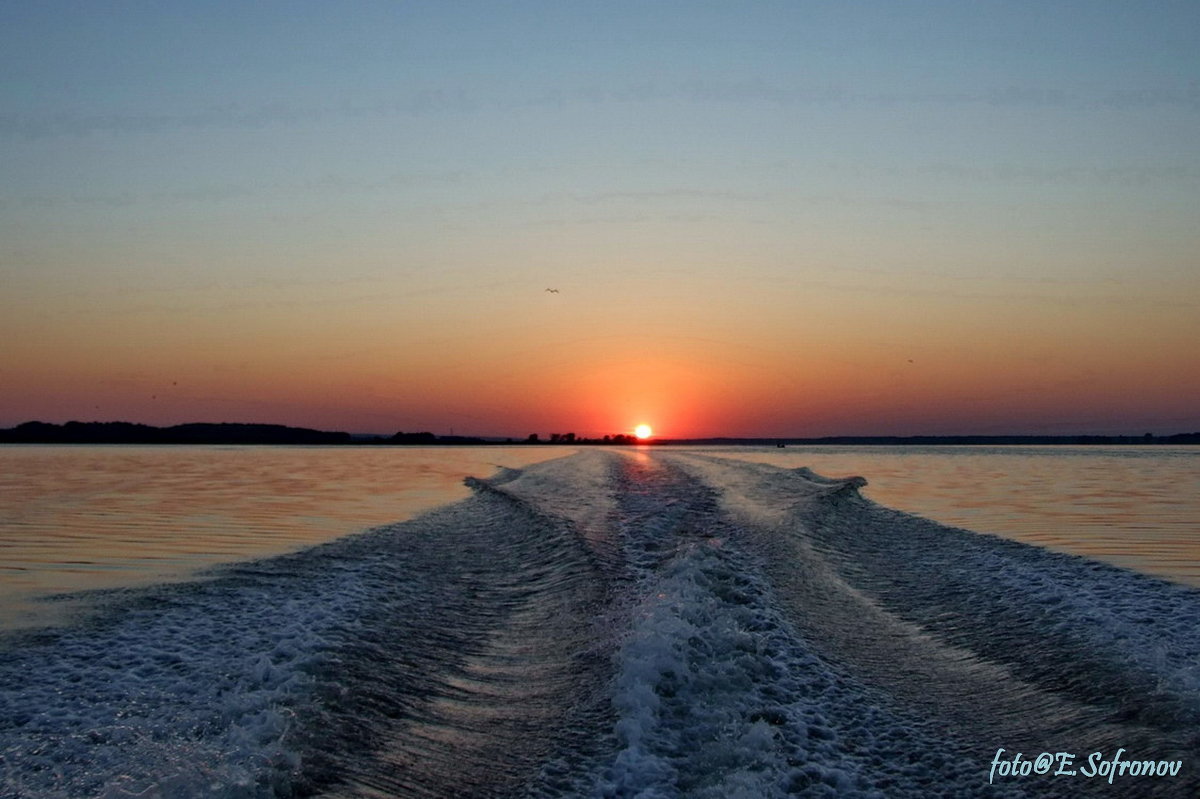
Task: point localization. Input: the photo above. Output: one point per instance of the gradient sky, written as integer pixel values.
(763, 218)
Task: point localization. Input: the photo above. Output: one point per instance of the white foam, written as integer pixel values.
(224, 688)
(719, 697)
(181, 691)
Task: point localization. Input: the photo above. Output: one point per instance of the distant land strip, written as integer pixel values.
(231, 433)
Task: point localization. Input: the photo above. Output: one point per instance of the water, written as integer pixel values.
(621, 623)
(91, 517)
(1136, 507)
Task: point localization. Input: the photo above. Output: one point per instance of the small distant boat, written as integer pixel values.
(780, 444)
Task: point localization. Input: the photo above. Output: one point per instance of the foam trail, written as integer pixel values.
(996, 640)
(367, 666)
(614, 624)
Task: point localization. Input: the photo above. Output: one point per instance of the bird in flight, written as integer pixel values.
(552, 291)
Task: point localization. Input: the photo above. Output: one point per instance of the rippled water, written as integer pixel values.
(74, 518)
(77, 518)
(681, 624)
(1136, 507)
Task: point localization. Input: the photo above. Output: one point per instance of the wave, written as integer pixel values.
(616, 624)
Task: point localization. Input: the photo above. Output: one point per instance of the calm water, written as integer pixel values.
(77, 518)
(74, 518)
(1135, 507)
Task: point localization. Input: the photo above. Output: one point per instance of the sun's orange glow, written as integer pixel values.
(643, 431)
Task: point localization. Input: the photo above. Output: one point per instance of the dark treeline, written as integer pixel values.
(943, 441)
(198, 433)
(571, 438)
(227, 433)
(533, 438)
(422, 439)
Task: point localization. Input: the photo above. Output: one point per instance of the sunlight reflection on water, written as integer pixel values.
(1136, 507)
(75, 518)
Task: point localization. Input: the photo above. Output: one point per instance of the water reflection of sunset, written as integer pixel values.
(135, 515)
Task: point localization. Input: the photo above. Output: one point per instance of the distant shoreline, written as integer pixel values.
(231, 433)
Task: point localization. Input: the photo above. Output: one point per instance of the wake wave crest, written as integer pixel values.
(614, 624)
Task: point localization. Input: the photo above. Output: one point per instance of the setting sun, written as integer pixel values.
(643, 431)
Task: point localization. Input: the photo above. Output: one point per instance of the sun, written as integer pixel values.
(643, 431)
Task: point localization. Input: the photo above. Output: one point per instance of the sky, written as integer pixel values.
(761, 218)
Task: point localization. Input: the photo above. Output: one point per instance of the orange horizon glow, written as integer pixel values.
(725, 257)
(794, 365)
(853, 389)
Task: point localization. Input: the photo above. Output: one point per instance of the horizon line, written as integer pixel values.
(842, 438)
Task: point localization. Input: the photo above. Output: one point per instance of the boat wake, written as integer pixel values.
(620, 624)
